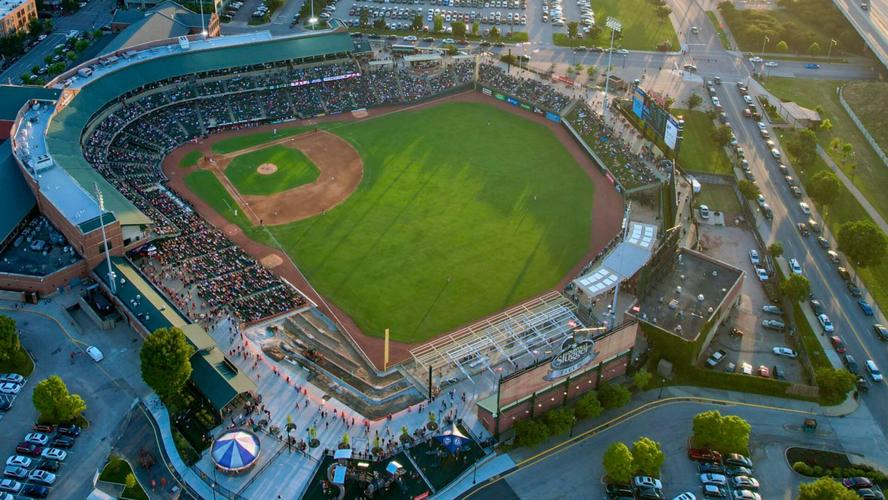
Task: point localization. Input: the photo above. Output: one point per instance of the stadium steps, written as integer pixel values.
(200, 118)
(570, 106)
(312, 338)
(230, 112)
(313, 327)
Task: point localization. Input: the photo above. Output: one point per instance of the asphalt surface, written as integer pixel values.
(872, 24)
(570, 470)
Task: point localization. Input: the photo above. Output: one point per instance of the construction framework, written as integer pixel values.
(532, 328)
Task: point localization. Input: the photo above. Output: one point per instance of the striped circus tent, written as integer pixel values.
(235, 451)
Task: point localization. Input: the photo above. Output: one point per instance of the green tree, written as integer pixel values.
(437, 23)
(694, 100)
(346, 439)
(10, 344)
(379, 24)
(54, 403)
(748, 189)
(47, 59)
(364, 18)
(825, 488)
(530, 432)
(166, 364)
(834, 383)
(459, 29)
(722, 135)
(613, 395)
(814, 48)
(826, 124)
(452, 50)
(56, 68)
(647, 457)
(476, 27)
(782, 46)
(559, 420)
(35, 27)
(663, 12)
(71, 55)
(618, 463)
(727, 434)
(588, 406)
(81, 45)
(130, 481)
(863, 242)
(573, 28)
(775, 249)
(796, 288)
(417, 23)
(642, 378)
(824, 187)
(494, 32)
(804, 147)
(591, 71)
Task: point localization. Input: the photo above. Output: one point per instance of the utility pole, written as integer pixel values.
(615, 26)
(829, 50)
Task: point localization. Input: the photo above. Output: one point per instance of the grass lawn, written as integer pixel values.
(450, 223)
(846, 208)
(23, 365)
(870, 174)
(718, 197)
(205, 185)
(869, 100)
(698, 152)
(116, 471)
(642, 29)
(722, 36)
(190, 159)
(233, 144)
(294, 169)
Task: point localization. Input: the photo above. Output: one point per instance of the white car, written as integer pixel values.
(755, 60)
(747, 99)
(704, 211)
(622, 51)
(18, 461)
(95, 353)
(745, 482)
(10, 388)
(54, 454)
(647, 482)
(42, 477)
(15, 378)
(775, 153)
(873, 370)
(761, 274)
(746, 368)
(686, 496)
(795, 267)
(754, 257)
(771, 64)
(762, 126)
(37, 438)
(785, 352)
(10, 486)
(760, 199)
(825, 323)
(745, 495)
(805, 208)
(716, 479)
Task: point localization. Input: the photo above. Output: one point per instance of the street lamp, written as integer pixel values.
(312, 20)
(615, 26)
(829, 51)
(764, 42)
(662, 383)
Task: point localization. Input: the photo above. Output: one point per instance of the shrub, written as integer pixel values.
(802, 468)
(530, 432)
(613, 395)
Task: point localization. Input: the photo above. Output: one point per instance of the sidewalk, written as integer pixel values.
(864, 202)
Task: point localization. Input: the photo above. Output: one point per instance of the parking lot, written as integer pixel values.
(754, 349)
(506, 15)
(105, 387)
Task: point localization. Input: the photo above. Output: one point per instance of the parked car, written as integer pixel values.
(647, 482)
(15, 472)
(44, 428)
(837, 343)
(704, 455)
(738, 460)
(754, 257)
(54, 454)
(716, 358)
(62, 442)
(825, 323)
(850, 363)
(717, 479)
(869, 494)
(761, 274)
(69, 430)
(785, 352)
(745, 495)
(35, 491)
(881, 331)
(618, 492)
(795, 267)
(42, 477)
(778, 373)
(773, 324)
(854, 289)
(816, 306)
(873, 370)
(95, 353)
(763, 371)
(15, 378)
(50, 465)
(10, 388)
(29, 449)
(10, 485)
(865, 307)
(745, 483)
(772, 309)
(812, 66)
(37, 438)
(823, 242)
(711, 467)
(856, 483)
(18, 461)
(714, 491)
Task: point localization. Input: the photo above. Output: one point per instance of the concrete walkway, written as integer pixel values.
(864, 202)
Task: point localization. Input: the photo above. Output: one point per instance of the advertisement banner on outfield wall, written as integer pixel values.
(538, 111)
(638, 103)
(486, 91)
(670, 136)
(512, 101)
(499, 96)
(526, 106)
(553, 116)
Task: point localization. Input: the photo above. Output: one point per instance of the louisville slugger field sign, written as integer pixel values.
(573, 356)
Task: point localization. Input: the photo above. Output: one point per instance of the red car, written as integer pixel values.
(29, 449)
(704, 455)
(763, 371)
(838, 344)
(44, 428)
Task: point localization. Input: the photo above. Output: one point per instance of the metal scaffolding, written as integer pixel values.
(532, 328)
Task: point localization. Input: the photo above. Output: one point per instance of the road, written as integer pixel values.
(96, 14)
(872, 24)
(554, 474)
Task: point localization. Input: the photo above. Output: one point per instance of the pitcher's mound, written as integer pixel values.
(267, 169)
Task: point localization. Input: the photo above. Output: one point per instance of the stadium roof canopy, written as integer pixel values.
(63, 135)
(17, 199)
(14, 97)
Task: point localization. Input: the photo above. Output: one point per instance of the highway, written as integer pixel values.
(872, 24)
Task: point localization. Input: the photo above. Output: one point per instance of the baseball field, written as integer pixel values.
(461, 210)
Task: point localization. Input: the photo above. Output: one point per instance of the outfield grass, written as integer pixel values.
(698, 152)
(233, 144)
(869, 100)
(718, 197)
(463, 210)
(190, 159)
(205, 185)
(870, 175)
(642, 29)
(294, 169)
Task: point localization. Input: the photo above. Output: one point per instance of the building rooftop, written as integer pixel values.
(37, 249)
(17, 199)
(7, 6)
(166, 20)
(14, 97)
(686, 294)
